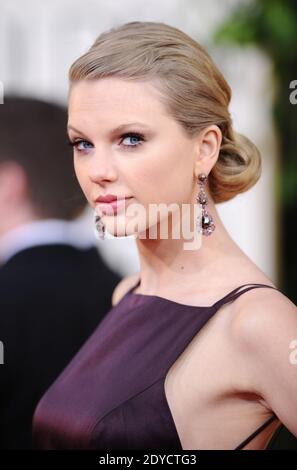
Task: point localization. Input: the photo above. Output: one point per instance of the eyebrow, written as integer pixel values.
(116, 129)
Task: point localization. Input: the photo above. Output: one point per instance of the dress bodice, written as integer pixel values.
(111, 395)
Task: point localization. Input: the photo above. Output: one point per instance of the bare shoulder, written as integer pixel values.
(264, 332)
(263, 312)
(123, 286)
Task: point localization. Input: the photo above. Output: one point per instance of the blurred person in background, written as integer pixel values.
(54, 286)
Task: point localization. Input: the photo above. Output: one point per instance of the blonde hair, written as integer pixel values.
(193, 91)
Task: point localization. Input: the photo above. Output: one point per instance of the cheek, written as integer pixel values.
(167, 176)
(179, 175)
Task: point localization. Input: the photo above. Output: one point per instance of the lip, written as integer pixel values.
(109, 198)
(113, 207)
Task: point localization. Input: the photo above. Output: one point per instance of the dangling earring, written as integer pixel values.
(99, 227)
(206, 219)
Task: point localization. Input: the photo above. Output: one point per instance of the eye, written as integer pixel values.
(133, 136)
(83, 145)
(77, 143)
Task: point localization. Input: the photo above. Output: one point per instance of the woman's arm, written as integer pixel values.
(265, 331)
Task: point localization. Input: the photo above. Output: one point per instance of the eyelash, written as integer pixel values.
(138, 135)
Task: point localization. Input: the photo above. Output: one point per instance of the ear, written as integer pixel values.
(208, 149)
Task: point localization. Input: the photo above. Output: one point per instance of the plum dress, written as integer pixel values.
(111, 395)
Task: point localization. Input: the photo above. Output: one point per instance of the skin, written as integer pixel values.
(168, 158)
(248, 331)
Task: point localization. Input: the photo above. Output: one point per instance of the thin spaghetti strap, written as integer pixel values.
(234, 293)
(258, 430)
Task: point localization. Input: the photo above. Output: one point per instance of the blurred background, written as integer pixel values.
(253, 42)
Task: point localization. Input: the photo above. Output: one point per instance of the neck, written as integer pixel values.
(167, 267)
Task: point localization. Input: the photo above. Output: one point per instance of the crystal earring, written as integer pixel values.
(205, 221)
(99, 227)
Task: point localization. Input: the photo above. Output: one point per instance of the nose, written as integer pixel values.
(102, 169)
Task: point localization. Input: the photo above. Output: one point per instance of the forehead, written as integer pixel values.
(111, 96)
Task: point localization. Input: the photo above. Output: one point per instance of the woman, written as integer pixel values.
(183, 360)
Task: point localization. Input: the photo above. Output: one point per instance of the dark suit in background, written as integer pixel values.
(54, 288)
(51, 299)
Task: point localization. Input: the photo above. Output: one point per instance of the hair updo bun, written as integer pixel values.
(237, 169)
(191, 87)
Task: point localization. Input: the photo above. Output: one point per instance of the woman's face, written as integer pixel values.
(151, 161)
